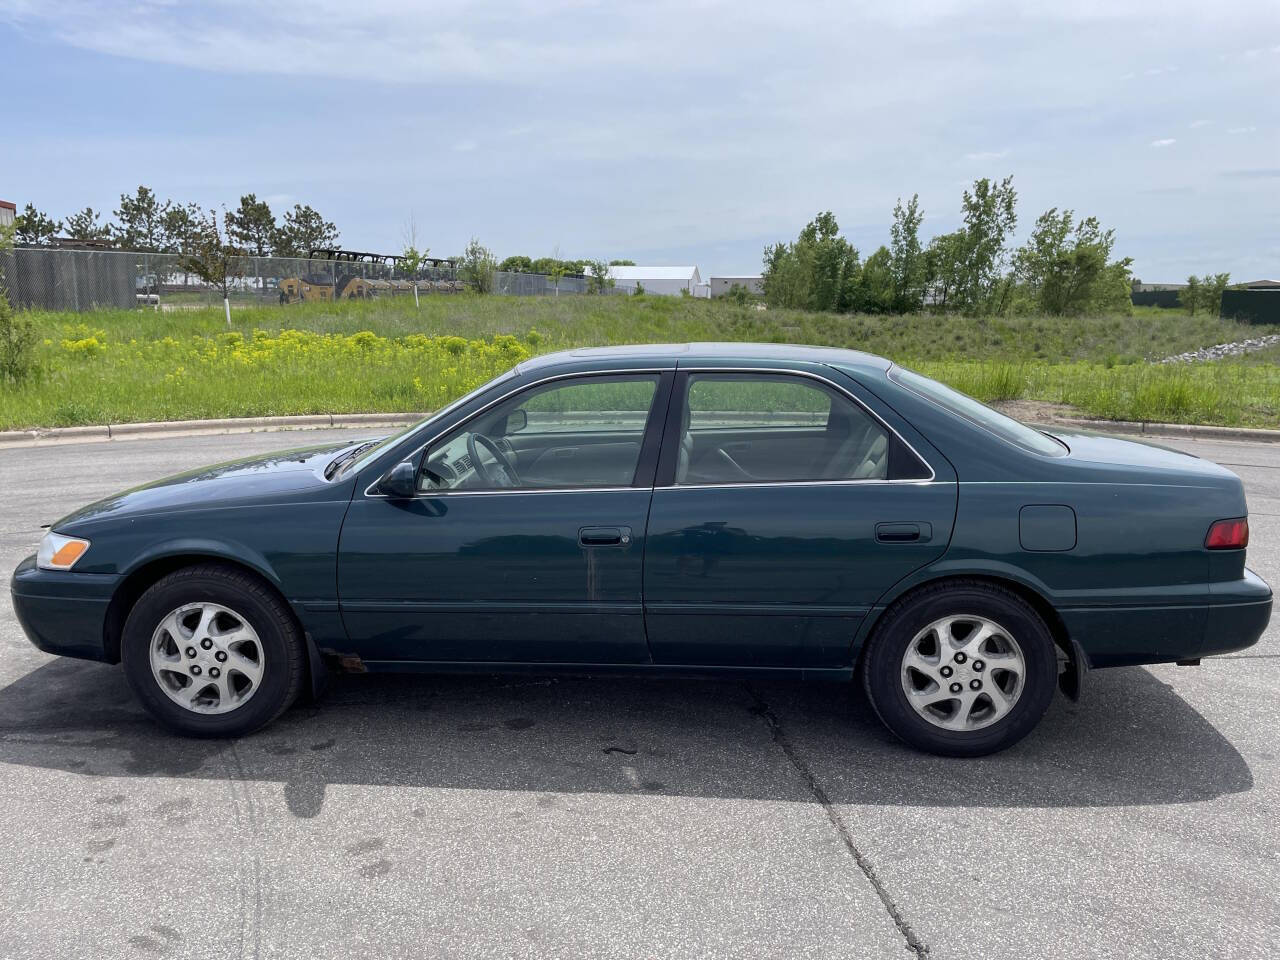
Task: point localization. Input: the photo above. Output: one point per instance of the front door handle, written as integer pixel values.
(903, 532)
(604, 536)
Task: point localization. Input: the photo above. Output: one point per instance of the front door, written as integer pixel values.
(783, 510)
(525, 542)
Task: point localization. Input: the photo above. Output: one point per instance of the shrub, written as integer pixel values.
(17, 344)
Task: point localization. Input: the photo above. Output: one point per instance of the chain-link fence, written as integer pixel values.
(48, 278)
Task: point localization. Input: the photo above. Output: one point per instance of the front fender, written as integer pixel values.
(204, 548)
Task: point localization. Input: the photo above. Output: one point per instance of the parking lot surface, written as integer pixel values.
(469, 817)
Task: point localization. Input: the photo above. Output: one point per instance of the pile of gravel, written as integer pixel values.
(1220, 351)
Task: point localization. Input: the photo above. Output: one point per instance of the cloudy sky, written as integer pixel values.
(674, 131)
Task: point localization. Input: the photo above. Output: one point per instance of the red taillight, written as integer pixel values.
(1228, 535)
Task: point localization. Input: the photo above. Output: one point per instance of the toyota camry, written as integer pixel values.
(705, 508)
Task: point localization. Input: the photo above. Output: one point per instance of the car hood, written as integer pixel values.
(292, 474)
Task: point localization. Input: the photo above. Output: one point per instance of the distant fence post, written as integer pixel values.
(75, 286)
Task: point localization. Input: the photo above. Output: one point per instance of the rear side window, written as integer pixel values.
(1006, 428)
(759, 428)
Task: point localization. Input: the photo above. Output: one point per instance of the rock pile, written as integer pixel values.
(1220, 351)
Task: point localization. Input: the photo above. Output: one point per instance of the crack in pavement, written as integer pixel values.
(762, 709)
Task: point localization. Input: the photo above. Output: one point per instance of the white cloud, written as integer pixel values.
(1197, 124)
(679, 125)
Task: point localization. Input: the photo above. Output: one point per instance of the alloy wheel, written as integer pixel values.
(963, 672)
(207, 658)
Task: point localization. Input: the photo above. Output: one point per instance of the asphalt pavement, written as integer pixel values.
(472, 817)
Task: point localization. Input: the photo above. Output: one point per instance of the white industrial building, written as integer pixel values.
(752, 284)
(670, 281)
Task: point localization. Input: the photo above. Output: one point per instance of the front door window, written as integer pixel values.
(577, 434)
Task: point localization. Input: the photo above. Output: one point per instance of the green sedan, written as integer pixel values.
(702, 508)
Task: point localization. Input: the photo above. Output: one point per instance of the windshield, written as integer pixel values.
(376, 450)
(1006, 428)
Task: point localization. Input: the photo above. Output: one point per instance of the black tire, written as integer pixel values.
(883, 666)
(254, 601)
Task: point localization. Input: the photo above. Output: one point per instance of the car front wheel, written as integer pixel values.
(212, 651)
(961, 669)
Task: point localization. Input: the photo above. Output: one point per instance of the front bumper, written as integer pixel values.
(63, 612)
(1238, 614)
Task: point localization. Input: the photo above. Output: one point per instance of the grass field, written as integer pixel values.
(118, 366)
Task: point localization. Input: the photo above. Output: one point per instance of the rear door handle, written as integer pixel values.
(903, 532)
(604, 536)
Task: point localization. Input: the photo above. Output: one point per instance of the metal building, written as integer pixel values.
(752, 284)
(670, 281)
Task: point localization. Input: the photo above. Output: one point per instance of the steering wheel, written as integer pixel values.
(502, 473)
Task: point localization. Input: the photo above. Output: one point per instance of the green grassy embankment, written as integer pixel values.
(130, 365)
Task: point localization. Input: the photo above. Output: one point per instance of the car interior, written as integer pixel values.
(733, 430)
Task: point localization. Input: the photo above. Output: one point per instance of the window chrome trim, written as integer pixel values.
(645, 371)
(748, 484)
(782, 371)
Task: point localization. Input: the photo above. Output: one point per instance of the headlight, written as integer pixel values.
(60, 553)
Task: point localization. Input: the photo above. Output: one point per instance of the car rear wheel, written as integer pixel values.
(961, 669)
(212, 651)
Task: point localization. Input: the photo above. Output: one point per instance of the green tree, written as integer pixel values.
(303, 230)
(556, 273)
(598, 279)
(17, 330)
(1191, 296)
(944, 267)
(517, 264)
(34, 227)
(1212, 288)
(412, 259)
(622, 263)
(181, 226)
(252, 225)
(1067, 269)
(907, 261)
(140, 222)
(990, 217)
(873, 290)
(212, 259)
(87, 226)
(817, 272)
(477, 266)
(545, 265)
(787, 280)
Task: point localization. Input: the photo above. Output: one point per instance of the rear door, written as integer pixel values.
(784, 507)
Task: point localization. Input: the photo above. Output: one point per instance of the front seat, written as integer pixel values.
(686, 447)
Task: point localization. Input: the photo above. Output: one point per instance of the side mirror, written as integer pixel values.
(401, 483)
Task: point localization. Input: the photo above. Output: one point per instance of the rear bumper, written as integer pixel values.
(1238, 614)
(62, 612)
(1232, 615)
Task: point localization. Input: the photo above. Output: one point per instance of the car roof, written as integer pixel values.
(686, 354)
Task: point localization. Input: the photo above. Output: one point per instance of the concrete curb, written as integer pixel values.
(325, 421)
(185, 428)
(1185, 431)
